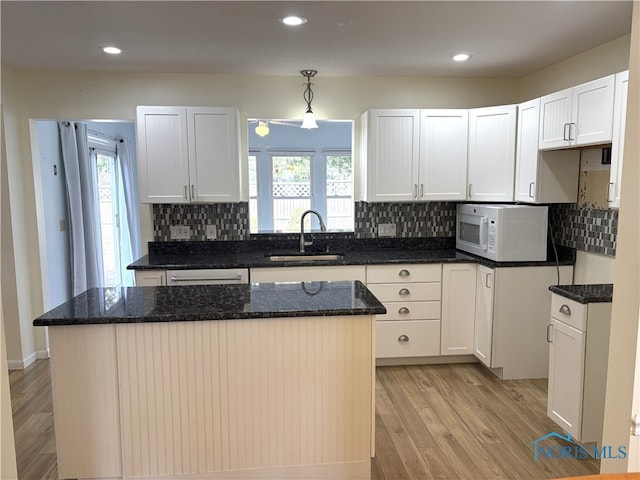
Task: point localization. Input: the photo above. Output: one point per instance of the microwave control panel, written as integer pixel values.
(491, 234)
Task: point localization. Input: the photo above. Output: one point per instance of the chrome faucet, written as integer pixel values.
(322, 227)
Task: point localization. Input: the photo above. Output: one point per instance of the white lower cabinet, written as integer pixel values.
(412, 295)
(512, 305)
(458, 301)
(578, 336)
(150, 278)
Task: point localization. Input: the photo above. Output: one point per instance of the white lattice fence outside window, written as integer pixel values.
(291, 189)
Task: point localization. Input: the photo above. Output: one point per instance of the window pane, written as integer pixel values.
(253, 194)
(339, 192)
(291, 191)
(107, 198)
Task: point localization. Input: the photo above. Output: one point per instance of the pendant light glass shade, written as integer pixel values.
(309, 120)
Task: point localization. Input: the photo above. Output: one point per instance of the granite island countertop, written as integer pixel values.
(213, 302)
(591, 293)
(253, 254)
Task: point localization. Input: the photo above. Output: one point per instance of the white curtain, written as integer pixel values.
(84, 220)
(128, 208)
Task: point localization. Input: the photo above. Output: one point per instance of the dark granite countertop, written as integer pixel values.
(594, 293)
(213, 302)
(253, 254)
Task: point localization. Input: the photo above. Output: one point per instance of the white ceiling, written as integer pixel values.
(341, 38)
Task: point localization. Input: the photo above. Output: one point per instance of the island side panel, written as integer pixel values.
(245, 394)
(85, 401)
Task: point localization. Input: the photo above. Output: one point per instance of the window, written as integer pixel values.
(292, 170)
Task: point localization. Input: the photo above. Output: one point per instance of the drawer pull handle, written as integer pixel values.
(403, 310)
(565, 309)
(404, 292)
(403, 338)
(404, 273)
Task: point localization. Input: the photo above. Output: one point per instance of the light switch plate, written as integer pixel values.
(212, 232)
(386, 230)
(180, 232)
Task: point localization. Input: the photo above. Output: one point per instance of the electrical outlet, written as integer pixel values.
(180, 232)
(63, 225)
(386, 230)
(212, 232)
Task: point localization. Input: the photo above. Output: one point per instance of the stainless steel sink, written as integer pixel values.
(304, 257)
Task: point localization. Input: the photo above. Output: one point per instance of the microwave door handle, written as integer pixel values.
(484, 233)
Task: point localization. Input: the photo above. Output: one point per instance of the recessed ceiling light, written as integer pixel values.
(111, 50)
(461, 57)
(293, 20)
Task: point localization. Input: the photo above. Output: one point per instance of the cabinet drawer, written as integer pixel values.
(411, 311)
(404, 273)
(568, 311)
(406, 292)
(422, 339)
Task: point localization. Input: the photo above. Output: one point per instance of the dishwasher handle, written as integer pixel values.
(234, 278)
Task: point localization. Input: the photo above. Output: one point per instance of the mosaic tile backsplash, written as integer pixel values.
(589, 229)
(231, 220)
(579, 227)
(432, 219)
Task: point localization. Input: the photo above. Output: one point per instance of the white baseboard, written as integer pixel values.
(22, 364)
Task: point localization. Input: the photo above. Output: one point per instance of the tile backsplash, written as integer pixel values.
(584, 228)
(574, 225)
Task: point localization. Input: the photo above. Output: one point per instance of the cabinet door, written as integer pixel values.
(555, 119)
(592, 112)
(527, 151)
(443, 154)
(393, 155)
(163, 162)
(492, 145)
(566, 373)
(458, 308)
(214, 162)
(150, 278)
(483, 329)
(617, 145)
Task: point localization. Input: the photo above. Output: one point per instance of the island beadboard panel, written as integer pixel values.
(84, 387)
(249, 394)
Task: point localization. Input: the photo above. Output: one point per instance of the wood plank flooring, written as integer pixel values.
(432, 422)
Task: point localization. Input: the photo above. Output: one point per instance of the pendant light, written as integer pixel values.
(309, 119)
(262, 130)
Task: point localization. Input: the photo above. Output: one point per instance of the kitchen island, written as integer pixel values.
(270, 380)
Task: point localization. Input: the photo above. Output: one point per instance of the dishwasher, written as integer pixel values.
(209, 276)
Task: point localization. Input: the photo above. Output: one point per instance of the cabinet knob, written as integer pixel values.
(403, 338)
(565, 309)
(404, 273)
(403, 310)
(404, 291)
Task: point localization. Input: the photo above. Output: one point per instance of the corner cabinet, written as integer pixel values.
(617, 144)
(188, 154)
(492, 145)
(582, 115)
(542, 176)
(414, 155)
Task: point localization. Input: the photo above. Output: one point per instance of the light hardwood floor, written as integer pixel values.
(432, 422)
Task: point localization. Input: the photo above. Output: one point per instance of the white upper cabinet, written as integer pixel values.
(188, 154)
(542, 176)
(578, 116)
(391, 142)
(492, 142)
(443, 154)
(617, 146)
(411, 155)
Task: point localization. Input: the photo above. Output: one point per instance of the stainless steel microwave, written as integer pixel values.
(503, 233)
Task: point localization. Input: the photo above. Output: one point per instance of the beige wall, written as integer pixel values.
(626, 307)
(611, 57)
(96, 95)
